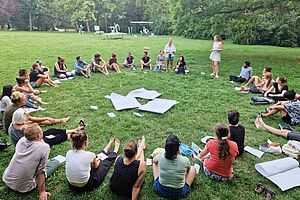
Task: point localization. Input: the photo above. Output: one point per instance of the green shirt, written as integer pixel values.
(172, 172)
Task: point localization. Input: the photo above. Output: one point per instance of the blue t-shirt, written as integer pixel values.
(80, 64)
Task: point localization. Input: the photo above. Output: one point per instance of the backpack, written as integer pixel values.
(261, 101)
(292, 149)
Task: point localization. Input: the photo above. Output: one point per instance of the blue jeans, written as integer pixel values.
(170, 193)
(214, 176)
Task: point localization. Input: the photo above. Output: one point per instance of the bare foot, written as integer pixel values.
(64, 120)
(141, 143)
(44, 103)
(117, 145)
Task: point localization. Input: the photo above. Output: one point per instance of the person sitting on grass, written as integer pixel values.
(24, 87)
(61, 69)
(19, 100)
(237, 131)
(218, 166)
(280, 87)
(130, 170)
(146, 61)
(84, 170)
(129, 61)
(82, 68)
(5, 98)
(245, 74)
(257, 84)
(113, 63)
(28, 169)
(173, 175)
(181, 66)
(51, 136)
(99, 65)
(287, 134)
(24, 74)
(37, 77)
(289, 110)
(160, 61)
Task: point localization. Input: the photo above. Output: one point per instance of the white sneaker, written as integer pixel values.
(270, 149)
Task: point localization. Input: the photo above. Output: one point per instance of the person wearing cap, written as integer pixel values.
(27, 169)
(51, 136)
(130, 170)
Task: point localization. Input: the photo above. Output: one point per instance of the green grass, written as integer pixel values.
(202, 103)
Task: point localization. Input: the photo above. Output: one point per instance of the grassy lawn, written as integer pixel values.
(202, 103)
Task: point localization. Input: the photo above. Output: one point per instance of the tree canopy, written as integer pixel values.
(270, 22)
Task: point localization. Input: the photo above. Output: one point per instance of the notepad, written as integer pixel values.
(254, 152)
(102, 156)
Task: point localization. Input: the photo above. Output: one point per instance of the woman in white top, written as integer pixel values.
(86, 171)
(169, 51)
(5, 98)
(215, 55)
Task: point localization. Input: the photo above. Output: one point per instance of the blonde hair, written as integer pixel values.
(16, 97)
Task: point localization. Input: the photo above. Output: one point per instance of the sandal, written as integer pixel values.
(82, 124)
(269, 193)
(260, 188)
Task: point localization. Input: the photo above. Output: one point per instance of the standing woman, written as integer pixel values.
(169, 51)
(215, 55)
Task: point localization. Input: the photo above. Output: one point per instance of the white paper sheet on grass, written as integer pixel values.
(144, 94)
(254, 152)
(285, 172)
(158, 105)
(121, 102)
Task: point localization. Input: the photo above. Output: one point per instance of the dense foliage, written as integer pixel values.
(269, 22)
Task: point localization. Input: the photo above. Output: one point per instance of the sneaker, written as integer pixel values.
(269, 148)
(133, 69)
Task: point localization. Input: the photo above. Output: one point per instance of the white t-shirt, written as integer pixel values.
(5, 101)
(78, 166)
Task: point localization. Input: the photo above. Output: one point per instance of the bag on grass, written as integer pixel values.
(261, 101)
(292, 149)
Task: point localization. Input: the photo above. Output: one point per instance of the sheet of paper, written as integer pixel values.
(57, 81)
(111, 114)
(197, 168)
(196, 148)
(71, 77)
(63, 79)
(50, 136)
(94, 107)
(102, 156)
(107, 96)
(43, 91)
(60, 158)
(287, 179)
(254, 152)
(138, 114)
(158, 106)
(206, 138)
(121, 102)
(237, 88)
(30, 110)
(144, 94)
(41, 109)
(148, 161)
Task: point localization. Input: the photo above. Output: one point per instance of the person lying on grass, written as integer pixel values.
(24, 87)
(130, 170)
(279, 87)
(27, 169)
(99, 65)
(245, 74)
(289, 110)
(52, 136)
(173, 175)
(37, 77)
(82, 68)
(258, 84)
(113, 63)
(287, 134)
(237, 131)
(19, 100)
(84, 170)
(219, 164)
(61, 69)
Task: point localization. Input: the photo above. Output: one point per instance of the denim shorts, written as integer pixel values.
(170, 193)
(214, 176)
(33, 84)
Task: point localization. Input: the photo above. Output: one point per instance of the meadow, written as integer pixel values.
(203, 102)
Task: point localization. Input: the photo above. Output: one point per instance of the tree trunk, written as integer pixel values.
(30, 22)
(87, 26)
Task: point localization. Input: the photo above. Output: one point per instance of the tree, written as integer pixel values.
(7, 9)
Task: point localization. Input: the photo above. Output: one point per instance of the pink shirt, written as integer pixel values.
(215, 164)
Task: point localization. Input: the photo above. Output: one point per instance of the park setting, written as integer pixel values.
(105, 103)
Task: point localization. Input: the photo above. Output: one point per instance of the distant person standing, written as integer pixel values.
(169, 51)
(215, 55)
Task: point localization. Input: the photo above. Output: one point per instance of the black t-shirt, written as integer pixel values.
(129, 59)
(146, 60)
(34, 75)
(237, 134)
(277, 91)
(112, 60)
